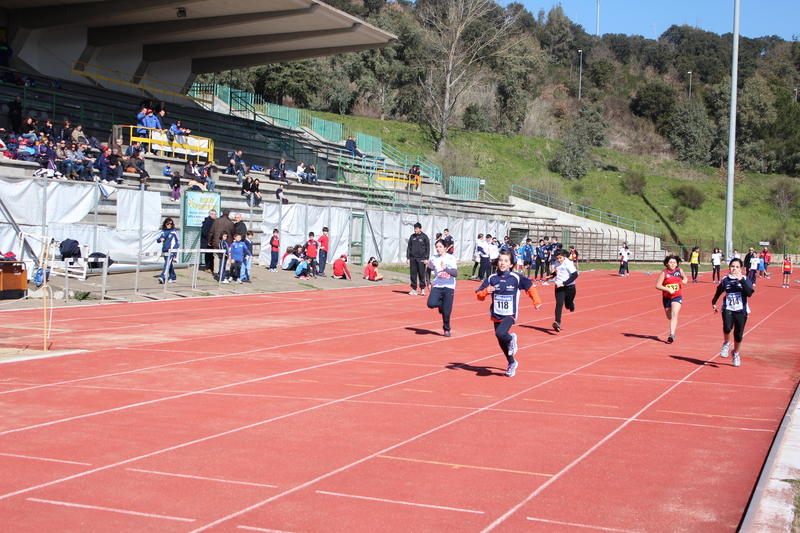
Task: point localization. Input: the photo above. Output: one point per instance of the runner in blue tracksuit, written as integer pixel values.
(169, 240)
(737, 289)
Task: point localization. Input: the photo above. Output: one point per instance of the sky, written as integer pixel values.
(758, 18)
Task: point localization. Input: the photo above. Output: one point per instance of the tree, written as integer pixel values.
(296, 79)
(573, 161)
(690, 132)
(514, 83)
(461, 35)
(655, 101)
(591, 125)
(601, 73)
(557, 37)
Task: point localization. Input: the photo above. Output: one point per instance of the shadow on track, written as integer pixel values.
(638, 336)
(421, 331)
(481, 371)
(698, 362)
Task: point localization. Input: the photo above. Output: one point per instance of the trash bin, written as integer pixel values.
(13, 280)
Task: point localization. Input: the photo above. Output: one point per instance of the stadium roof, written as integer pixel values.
(215, 35)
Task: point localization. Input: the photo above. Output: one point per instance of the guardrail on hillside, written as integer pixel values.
(585, 212)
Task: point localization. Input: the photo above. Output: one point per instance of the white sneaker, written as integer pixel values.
(512, 369)
(512, 347)
(724, 350)
(238, 281)
(413, 292)
(173, 281)
(737, 361)
(225, 281)
(422, 293)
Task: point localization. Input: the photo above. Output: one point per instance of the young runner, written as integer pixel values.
(737, 289)
(787, 271)
(573, 256)
(445, 271)
(565, 275)
(716, 263)
(670, 283)
(505, 287)
(527, 256)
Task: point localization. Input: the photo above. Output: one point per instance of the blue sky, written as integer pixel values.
(636, 17)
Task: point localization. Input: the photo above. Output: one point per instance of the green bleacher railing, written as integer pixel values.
(406, 161)
(464, 188)
(373, 191)
(585, 212)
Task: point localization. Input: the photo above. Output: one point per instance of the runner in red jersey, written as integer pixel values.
(670, 283)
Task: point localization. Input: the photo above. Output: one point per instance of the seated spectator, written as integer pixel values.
(133, 150)
(48, 129)
(350, 146)
(280, 196)
(371, 270)
(206, 173)
(312, 174)
(78, 136)
(167, 170)
(66, 132)
(179, 133)
(303, 269)
(86, 161)
(257, 198)
(282, 167)
(414, 174)
(301, 172)
(77, 171)
(247, 189)
(28, 130)
(116, 165)
(236, 167)
(290, 260)
(276, 174)
(340, 269)
(103, 164)
(137, 164)
(63, 160)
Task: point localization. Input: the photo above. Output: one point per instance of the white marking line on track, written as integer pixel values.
(457, 466)
(581, 525)
(45, 459)
(202, 478)
(251, 528)
(605, 439)
(399, 502)
(122, 511)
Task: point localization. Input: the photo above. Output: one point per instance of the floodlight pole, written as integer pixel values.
(597, 30)
(690, 84)
(580, 76)
(732, 134)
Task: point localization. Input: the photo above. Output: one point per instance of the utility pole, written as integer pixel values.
(597, 30)
(580, 76)
(732, 134)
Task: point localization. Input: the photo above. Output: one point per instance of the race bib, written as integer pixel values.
(503, 304)
(733, 302)
(672, 286)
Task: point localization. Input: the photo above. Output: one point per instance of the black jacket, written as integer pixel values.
(205, 231)
(419, 247)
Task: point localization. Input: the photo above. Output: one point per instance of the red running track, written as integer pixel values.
(347, 410)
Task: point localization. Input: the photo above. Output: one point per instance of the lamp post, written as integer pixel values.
(795, 94)
(580, 76)
(690, 84)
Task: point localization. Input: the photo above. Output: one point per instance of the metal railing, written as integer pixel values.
(126, 82)
(407, 161)
(585, 212)
(464, 188)
(181, 146)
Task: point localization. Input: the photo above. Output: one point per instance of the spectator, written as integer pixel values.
(221, 225)
(78, 136)
(116, 165)
(137, 164)
(48, 129)
(170, 240)
(248, 261)
(236, 167)
(63, 159)
(167, 170)
(175, 185)
(276, 174)
(133, 150)
(207, 174)
(205, 239)
(280, 196)
(371, 270)
(290, 259)
(247, 190)
(274, 249)
(282, 167)
(350, 146)
(414, 175)
(103, 164)
(301, 172)
(15, 113)
(257, 198)
(417, 253)
(238, 254)
(340, 269)
(323, 251)
(312, 174)
(303, 269)
(239, 227)
(28, 130)
(77, 170)
(86, 162)
(66, 132)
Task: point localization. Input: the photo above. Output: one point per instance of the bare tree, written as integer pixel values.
(461, 35)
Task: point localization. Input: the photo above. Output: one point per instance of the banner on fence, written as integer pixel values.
(198, 204)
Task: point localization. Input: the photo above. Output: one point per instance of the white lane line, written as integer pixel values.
(112, 510)
(581, 525)
(605, 439)
(45, 459)
(251, 528)
(399, 502)
(201, 478)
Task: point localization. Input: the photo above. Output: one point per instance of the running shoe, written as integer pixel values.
(413, 292)
(512, 369)
(556, 326)
(173, 281)
(422, 292)
(447, 333)
(512, 346)
(724, 351)
(671, 338)
(737, 361)
(225, 281)
(161, 280)
(571, 309)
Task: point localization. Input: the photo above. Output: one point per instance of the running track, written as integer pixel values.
(346, 410)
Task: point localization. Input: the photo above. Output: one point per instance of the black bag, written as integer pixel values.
(70, 248)
(170, 136)
(97, 264)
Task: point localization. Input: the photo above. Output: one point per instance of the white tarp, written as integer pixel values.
(132, 203)
(67, 202)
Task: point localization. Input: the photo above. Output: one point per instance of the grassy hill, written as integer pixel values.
(504, 160)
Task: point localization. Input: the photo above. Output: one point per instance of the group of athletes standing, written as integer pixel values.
(505, 287)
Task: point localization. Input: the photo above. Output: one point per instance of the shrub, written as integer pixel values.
(634, 182)
(547, 184)
(784, 196)
(573, 162)
(679, 215)
(689, 195)
(476, 118)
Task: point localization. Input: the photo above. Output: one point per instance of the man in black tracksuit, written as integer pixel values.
(417, 254)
